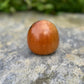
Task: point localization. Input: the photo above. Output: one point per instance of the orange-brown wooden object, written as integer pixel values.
(43, 37)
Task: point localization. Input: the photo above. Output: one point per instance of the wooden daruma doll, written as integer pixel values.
(43, 37)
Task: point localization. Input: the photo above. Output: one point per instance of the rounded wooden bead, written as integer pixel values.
(43, 37)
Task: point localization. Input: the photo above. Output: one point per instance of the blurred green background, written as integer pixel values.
(45, 6)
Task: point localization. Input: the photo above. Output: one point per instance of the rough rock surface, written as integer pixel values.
(18, 65)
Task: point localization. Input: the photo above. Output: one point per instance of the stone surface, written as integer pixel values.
(18, 65)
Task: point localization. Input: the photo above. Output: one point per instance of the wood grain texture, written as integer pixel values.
(43, 37)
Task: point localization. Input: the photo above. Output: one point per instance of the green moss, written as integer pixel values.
(46, 6)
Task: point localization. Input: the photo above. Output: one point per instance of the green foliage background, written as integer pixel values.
(47, 6)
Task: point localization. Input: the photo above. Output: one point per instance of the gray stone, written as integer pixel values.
(18, 65)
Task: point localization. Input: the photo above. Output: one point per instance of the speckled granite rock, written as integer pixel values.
(18, 65)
